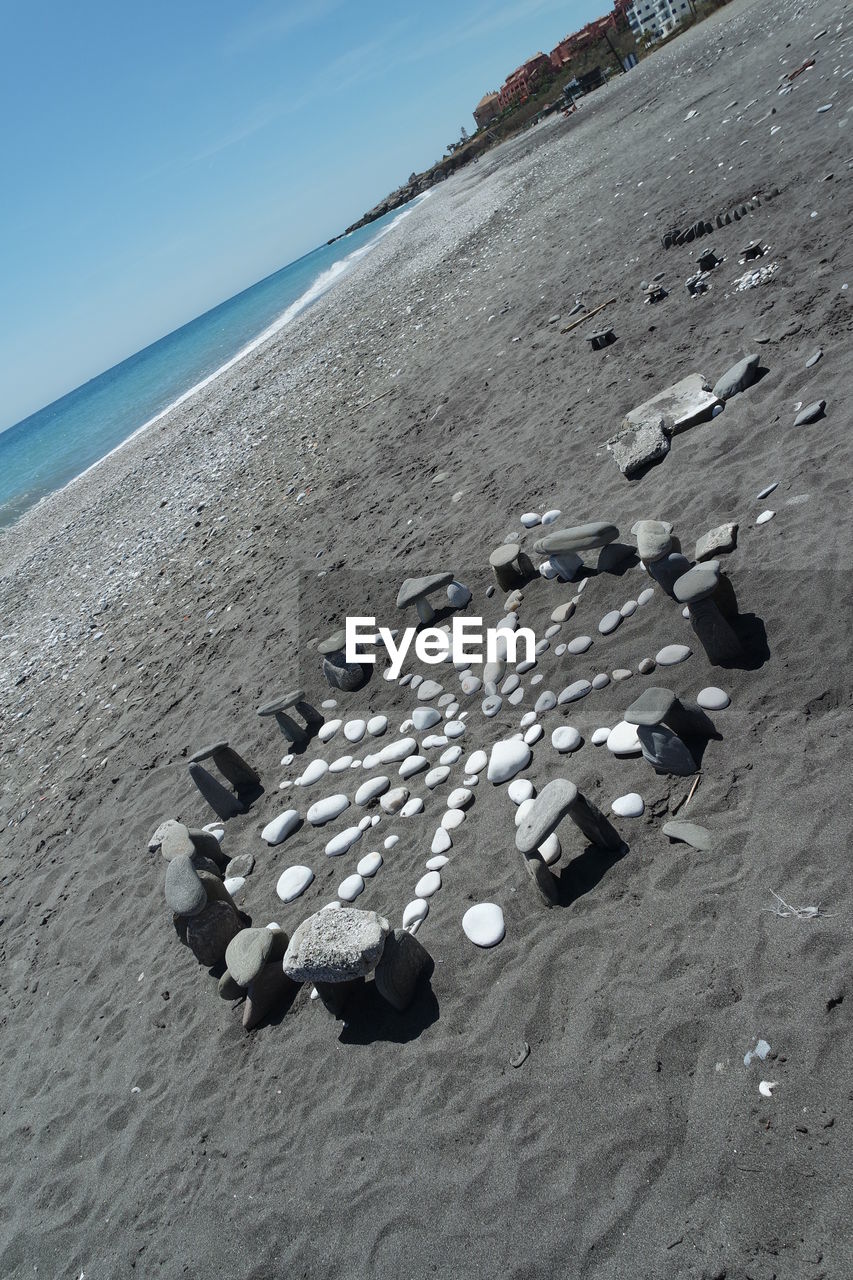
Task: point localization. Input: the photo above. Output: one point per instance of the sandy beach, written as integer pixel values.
(401, 427)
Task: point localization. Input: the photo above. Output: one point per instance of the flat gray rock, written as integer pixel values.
(737, 379)
(688, 832)
(242, 865)
(697, 584)
(811, 413)
(336, 946)
(652, 707)
(678, 406)
(545, 814)
(250, 949)
(716, 541)
(581, 537)
(414, 589)
(654, 539)
(185, 892)
(637, 447)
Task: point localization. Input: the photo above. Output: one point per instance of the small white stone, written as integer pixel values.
(293, 882)
(600, 737)
(414, 914)
(533, 734)
(601, 681)
(428, 884)
(483, 924)
(313, 773)
(531, 518)
(437, 775)
(354, 730)
(281, 827)
(764, 517)
(451, 755)
(645, 596)
(390, 841)
(339, 765)
(425, 718)
(629, 806)
(566, 738)
(527, 720)
(393, 800)
(508, 757)
(459, 798)
(377, 725)
(428, 689)
(411, 807)
(329, 729)
(437, 862)
(580, 644)
(713, 699)
(629, 608)
(371, 789)
(327, 809)
(470, 780)
(342, 841)
(610, 622)
(328, 704)
(523, 810)
(671, 654)
(234, 884)
(550, 516)
(454, 728)
(369, 864)
(413, 765)
(350, 888)
(622, 739)
(476, 762)
(441, 841)
(396, 751)
(452, 819)
(519, 790)
(433, 740)
(550, 851)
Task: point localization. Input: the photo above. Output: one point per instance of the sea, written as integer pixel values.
(50, 448)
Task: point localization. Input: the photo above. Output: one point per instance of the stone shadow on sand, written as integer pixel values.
(586, 871)
(369, 1018)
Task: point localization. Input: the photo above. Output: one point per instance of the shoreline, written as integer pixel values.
(575, 1098)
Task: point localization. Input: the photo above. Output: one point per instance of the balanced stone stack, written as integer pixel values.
(559, 799)
(243, 778)
(416, 591)
(254, 970)
(563, 547)
(203, 911)
(663, 724)
(697, 588)
(340, 674)
(297, 735)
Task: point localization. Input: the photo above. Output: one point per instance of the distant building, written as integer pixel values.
(487, 109)
(656, 18)
(590, 35)
(524, 80)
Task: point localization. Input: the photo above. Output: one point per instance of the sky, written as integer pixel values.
(159, 158)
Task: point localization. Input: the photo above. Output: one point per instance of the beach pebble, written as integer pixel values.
(327, 809)
(621, 673)
(412, 765)
(645, 596)
(350, 888)
(436, 776)
(429, 689)
(343, 841)
(437, 862)
(370, 790)
(622, 739)
(492, 705)
(572, 692)
(452, 819)
(377, 725)
(393, 800)
(629, 806)
(313, 773)
(328, 704)
(550, 850)
(451, 755)
(425, 717)
(646, 666)
(354, 730)
(441, 841)
(599, 737)
(458, 595)
(523, 810)
(459, 798)
(414, 914)
(476, 762)
(390, 841)
(510, 684)
(342, 763)
(281, 827)
(563, 612)
(530, 519)
(328, 730)
(519, 790)
(412, 806)
(566, 738)
(434, 740)
(533, 734)
(483, 924)
(545, 702)
(629, 608)
(767, 490)
(610, 622)
(516, 697)
(601, 681)
(508, 757)
(454, 728)
(713, 698)
(428, 884)
(689, 833)
(580, 644)
(550, 516)
(369, 864)
(293, 882)
(242, 865)
(810, 413)
(765, 516)
(671, 654)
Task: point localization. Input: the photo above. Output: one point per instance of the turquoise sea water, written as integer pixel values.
(49, 448)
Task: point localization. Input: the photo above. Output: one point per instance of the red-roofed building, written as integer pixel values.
(524, 80)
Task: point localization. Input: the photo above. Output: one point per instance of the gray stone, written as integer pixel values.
(737, 379)
(557, 800)
(207, 934)
(610, 622)
(347, 676)
(654, 539)
(679, 406)
(242, 865)
(717, 541)
(414, 590)
(668, 570)
(185, 892)
(542, 877)
(582, 537)
(665, 750)
(572, 692)
(336, 946)
(404, 960)
(546, 701)
(811, 413)
(698, 583)
(267, 993)
(646, 666)
(492, 705)
(813, 359)
(653, 706)
(173, 840)
(250, 949)
(688, 832)
(637, 447)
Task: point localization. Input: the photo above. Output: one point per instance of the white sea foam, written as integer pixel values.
(321, 285)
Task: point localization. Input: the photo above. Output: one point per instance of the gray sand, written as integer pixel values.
(155, 603)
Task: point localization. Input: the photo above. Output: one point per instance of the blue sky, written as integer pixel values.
(158, 158)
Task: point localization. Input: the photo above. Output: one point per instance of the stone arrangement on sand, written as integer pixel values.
(458, 730)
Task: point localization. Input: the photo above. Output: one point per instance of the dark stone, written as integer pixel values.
(652, 706)
(347, 676)
(242, 865)
(268, 992)
(209, 932)
(665, 750)
(738, 378)
(697, 583)
(229, 988)
(207, 846)
(668, 570)
(337, 995)
(397, 974)
(811, 413)
(542, 877)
